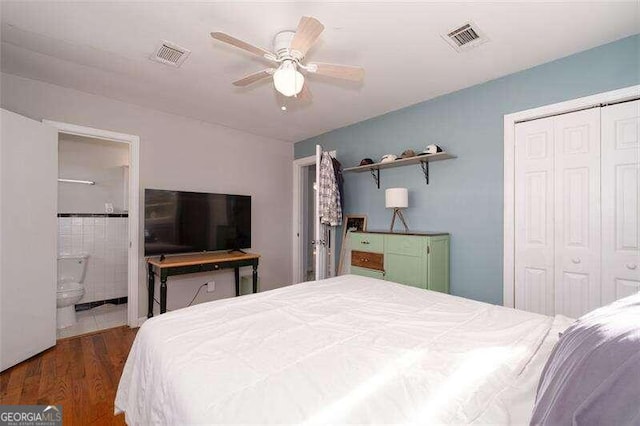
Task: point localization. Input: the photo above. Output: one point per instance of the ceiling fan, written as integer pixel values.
(290, 48)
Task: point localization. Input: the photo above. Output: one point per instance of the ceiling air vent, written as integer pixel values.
(170, 54)
(465, 37)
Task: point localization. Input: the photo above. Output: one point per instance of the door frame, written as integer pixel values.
(298, 215)
(133, 142)
(510, 121)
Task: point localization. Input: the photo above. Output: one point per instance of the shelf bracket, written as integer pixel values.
(376, 176)
(425, 170)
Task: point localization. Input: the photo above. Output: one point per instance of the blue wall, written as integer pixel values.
(465, 195)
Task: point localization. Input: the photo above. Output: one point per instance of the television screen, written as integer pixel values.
(184, 222)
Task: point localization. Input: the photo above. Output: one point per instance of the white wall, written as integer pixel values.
(91, 159)
(185, 154)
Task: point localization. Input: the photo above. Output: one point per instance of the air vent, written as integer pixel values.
(465, 37)
(170, 54)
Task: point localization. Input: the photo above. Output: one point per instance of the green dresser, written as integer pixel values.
(416, 259)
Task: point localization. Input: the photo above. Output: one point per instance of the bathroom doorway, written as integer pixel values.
(97, 230)
(308, 193)
(304, 248)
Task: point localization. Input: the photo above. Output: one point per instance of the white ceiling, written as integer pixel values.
(103, 48)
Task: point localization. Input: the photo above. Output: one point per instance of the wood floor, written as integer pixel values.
(80, 373)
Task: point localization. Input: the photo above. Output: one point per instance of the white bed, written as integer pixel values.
(343, 350)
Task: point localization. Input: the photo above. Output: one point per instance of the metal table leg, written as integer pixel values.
(255, 277)
(150, 290)
(163, 292)
(236, 271)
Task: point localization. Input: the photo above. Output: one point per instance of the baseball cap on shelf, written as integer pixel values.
(366, 161)
(408, 153)
(431, 149)
(388, 158)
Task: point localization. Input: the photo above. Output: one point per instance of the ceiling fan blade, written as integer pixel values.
(252, 78)
(309, 29)
(345, 72)
(226, 38)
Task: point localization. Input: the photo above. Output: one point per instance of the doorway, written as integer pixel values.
(308, 272)
(99, 193)
(304, 216)
(93, 183)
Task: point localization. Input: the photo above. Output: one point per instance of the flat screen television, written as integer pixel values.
(187, 222)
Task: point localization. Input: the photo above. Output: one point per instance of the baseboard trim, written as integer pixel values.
(95, 304)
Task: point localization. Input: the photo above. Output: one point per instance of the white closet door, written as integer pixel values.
(577, 212)
(534, 216)
(620, 200)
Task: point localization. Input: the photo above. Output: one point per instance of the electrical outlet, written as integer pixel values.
(211, 286)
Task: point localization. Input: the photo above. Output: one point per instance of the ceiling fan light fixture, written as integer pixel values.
(289, 51)
(287, 79)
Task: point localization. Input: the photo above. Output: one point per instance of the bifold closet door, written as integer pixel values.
(577, 212)
(620, 200)
(557, 214)
(534, 216)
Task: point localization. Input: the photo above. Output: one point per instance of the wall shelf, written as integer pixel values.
(422, 160)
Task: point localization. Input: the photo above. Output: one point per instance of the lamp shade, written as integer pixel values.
(396, 198)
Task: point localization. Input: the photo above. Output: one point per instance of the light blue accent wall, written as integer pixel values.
(465, 195)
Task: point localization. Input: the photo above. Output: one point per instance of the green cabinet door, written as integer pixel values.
(405, 260)
(405, 270)
(438, 263)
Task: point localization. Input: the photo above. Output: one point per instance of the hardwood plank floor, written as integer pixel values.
(80, 373)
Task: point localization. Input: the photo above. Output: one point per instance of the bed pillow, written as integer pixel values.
(593, 374)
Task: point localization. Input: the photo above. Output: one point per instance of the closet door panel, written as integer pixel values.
(534, 216)
(577, 212)
(620, 200)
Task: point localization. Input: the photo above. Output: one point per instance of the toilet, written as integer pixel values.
(71, 271)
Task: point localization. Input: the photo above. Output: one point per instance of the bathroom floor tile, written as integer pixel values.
(104, 323)
(86, 320)
(113, 317)
(108, 307)
(83, 326)
(99, 318)
(84, 314)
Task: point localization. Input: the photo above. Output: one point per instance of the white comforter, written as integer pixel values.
(344, 350)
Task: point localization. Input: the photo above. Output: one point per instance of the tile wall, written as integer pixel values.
(104, 239)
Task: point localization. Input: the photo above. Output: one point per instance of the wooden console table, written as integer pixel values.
(193, 263)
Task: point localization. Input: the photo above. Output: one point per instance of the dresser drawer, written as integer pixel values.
(367, 260)
(367, 242)
(405, 245)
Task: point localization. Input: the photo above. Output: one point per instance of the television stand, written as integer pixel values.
(237, 250)
(194, 263)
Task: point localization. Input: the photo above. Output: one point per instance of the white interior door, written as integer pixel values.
(577, 212)
(28, 235)
(320, 230)
(534, 216)
(620, 200)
